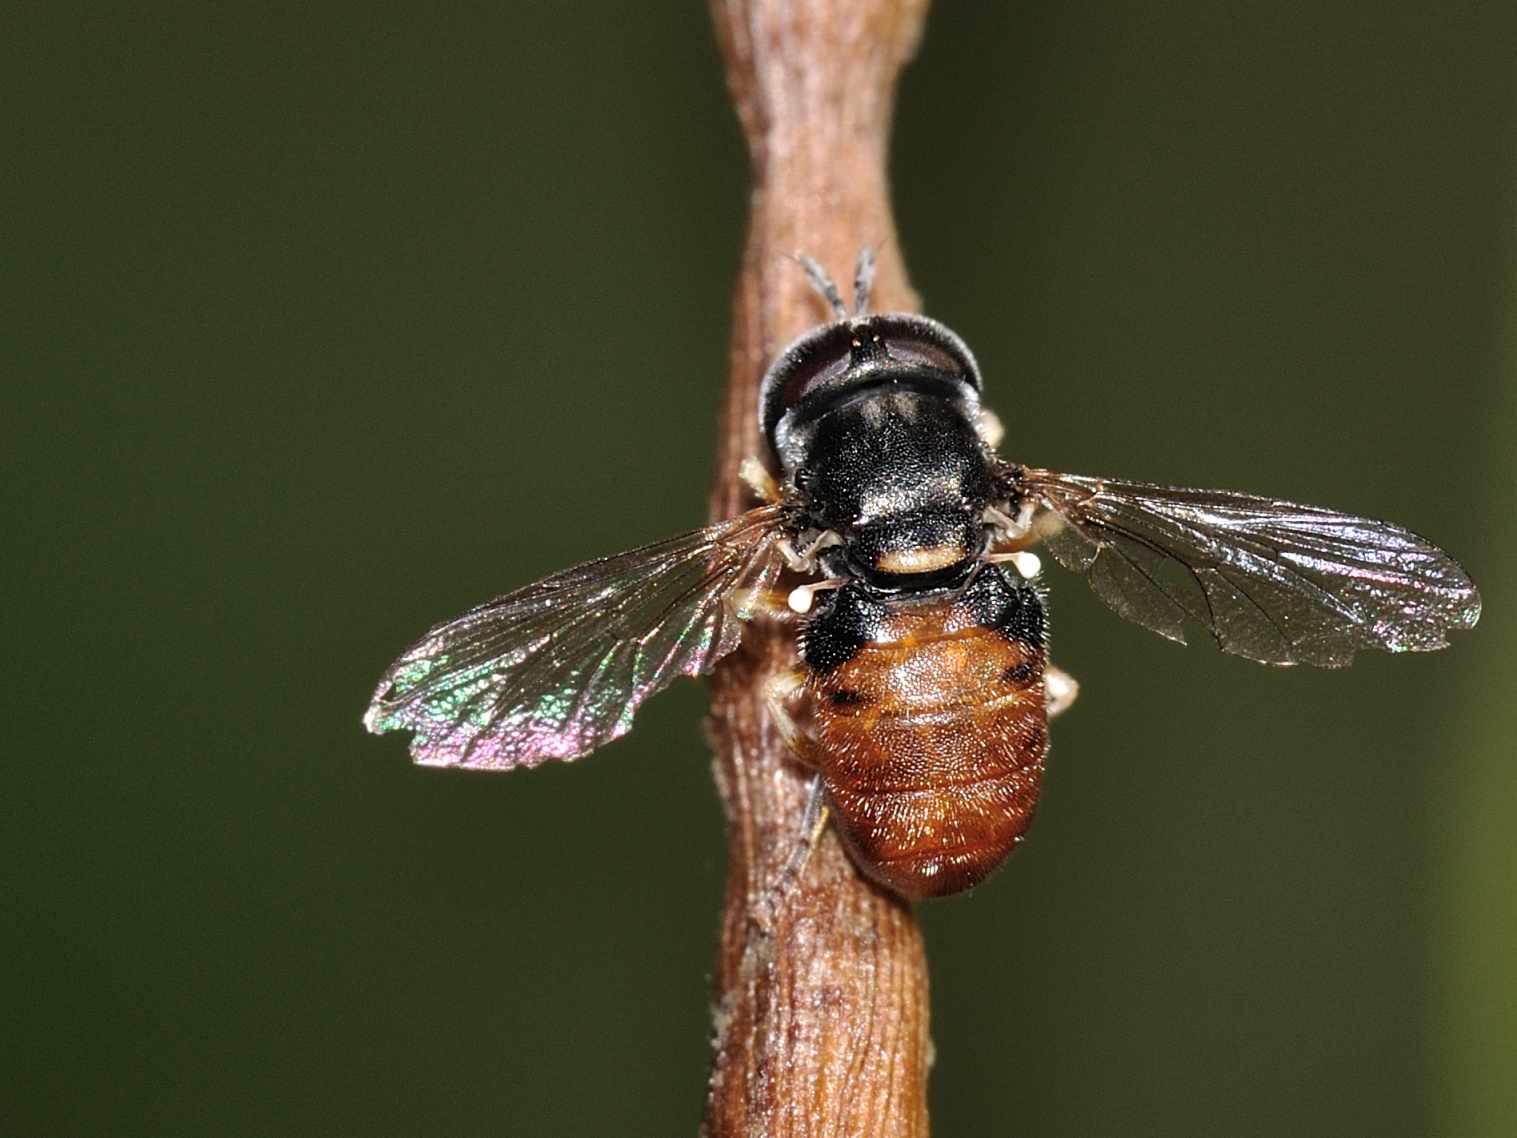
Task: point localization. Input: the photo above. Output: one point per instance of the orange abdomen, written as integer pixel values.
(930, 741)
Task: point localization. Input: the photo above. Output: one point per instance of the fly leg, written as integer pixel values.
(1059, 690)
(779, 696)
(1008, 532)
(813, 822)
(804, 560)
(987, 424)
(780, 692)
(756, 477)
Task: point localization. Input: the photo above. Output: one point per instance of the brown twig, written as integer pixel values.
(821, 1023)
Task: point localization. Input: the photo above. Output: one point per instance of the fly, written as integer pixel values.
(923, 690)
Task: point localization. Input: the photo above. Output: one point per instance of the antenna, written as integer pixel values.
(863, 279)
(823, 284)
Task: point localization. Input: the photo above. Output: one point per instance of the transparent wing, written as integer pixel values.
(1273, 581)
(558, 668)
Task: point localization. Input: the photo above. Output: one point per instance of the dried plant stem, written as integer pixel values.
(821, 1024)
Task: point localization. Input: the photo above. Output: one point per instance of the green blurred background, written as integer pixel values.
(325, 322)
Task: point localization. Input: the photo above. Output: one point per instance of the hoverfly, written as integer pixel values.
(923, 692)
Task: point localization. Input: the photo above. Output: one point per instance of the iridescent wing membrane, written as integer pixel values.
(558, 668)
(1274, 581)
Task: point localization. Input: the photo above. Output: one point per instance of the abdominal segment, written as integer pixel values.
(931, 740)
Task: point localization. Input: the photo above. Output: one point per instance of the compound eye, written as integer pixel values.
(920, 352)
(926, 344)
(809, 364)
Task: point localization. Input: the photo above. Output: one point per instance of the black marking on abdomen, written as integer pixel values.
(1021, 674)
(850, 620)
(1009, 605)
